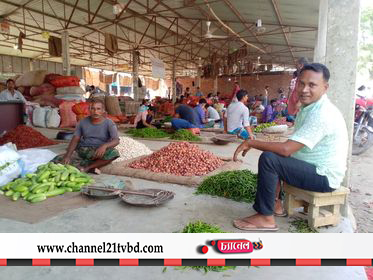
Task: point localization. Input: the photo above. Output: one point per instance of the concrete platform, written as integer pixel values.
(115, 216)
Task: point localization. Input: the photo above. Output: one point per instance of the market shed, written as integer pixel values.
(202, 38)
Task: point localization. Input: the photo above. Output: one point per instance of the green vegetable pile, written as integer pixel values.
(201, 227)
(148, 132)
(49, 180)
(301, 226)
(260, 127)
(185, 135)
(167, 119)
(239, 185)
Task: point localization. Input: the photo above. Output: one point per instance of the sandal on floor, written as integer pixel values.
(255, 228)
(283, 214)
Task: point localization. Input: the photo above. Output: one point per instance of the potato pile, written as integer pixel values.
(181, 158)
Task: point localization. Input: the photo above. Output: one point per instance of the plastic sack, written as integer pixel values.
(10, 167)
(68, 117)
(43, 89)
(32, 78)
(53, 119)
(34, 157)
(70, 90)
(71, 97)
(276, 129)
(81, 108)
(65, 81)
(39, 116)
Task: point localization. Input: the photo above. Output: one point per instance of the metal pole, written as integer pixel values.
(135, 74)
(66, 53)
(174, 81)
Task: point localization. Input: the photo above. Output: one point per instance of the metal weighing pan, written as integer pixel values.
(147, 197)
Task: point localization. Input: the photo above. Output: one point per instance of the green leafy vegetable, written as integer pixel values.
(300, 226)
(201, 227)
(239, 185)
(185, 135)
(148, 132)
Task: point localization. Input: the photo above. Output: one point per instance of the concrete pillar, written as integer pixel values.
(135, 74)
(66, 69)
(174, 81)
(216, 84)
(199, 74)
(337, 48)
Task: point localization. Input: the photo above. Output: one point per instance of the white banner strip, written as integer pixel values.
(181, 246)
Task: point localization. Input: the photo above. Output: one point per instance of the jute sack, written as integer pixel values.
(112, 105)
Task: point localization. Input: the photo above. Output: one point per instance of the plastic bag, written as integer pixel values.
(53, 118)
(10, 165)
(34, 157)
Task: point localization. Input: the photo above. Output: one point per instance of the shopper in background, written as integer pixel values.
(236, 88)
(265, 97)
(293, 102)
(199, 92)
(10, 93)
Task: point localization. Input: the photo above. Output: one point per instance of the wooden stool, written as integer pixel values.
(321, 209)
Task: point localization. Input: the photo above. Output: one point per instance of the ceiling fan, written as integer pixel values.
(209, 34)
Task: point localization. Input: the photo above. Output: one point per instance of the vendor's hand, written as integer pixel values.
(252, 137)
(244, 148)
(100, 152)
(66, 159)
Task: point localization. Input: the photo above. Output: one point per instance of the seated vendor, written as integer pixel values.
(92, 145)
(144, 119)
(269, 112)
(185, 117)
(212, 114)
(10, 93)
(201, 111)
(237, 120)
(313, 159)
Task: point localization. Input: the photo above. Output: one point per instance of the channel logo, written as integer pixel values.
(232, 246)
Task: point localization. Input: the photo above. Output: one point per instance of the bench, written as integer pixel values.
(320, 209)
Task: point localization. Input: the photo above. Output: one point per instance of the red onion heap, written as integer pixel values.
(180, 158)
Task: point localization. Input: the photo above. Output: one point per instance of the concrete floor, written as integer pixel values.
(116, 216)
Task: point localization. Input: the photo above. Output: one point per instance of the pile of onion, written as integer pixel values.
(180, 158)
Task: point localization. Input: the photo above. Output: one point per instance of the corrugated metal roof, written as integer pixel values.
(299, 17)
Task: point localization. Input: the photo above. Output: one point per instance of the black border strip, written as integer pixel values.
(184, 262)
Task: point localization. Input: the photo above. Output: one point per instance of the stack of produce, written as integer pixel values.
(180, 158)
(25, 137)
(260, 127)
(129, 148)
(185, 135)
(148, 132)
(239, 185)
(50, 180)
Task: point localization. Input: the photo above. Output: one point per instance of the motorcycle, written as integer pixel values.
(363, 129)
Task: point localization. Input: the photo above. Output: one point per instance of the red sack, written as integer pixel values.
(65, 81)
(80, 117)
(50, 77)
(68, 117)
(113, 118)
(195, 130)
(169, 109)
(81, 108)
